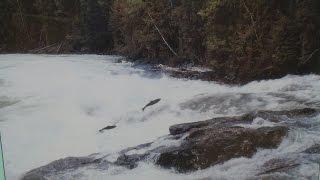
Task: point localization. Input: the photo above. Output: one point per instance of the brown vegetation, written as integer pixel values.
(241, 40)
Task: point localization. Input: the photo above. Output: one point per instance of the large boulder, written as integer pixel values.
(216, 143)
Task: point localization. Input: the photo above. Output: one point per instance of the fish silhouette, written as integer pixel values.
(151, 103)
(107, 128)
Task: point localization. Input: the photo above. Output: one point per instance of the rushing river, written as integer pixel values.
(52, 107)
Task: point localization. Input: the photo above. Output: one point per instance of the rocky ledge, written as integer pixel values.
(215, 141)
(201, 144)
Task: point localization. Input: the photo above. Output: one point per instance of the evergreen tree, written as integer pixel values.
(94, 25)
(4, 21)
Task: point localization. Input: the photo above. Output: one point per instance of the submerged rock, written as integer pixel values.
(59, 166)
(279, 165)
(276, 116)
(32, 176)
(129, 161)
(315, 149)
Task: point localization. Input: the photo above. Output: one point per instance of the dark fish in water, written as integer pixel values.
(151, 103)
(107, 128)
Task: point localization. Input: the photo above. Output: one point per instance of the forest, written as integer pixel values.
(240, 40)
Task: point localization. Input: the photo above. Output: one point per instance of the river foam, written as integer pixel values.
(52, 107)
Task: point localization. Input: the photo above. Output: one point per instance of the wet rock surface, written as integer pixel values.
(59, 166)
(315, 149)
(290, 166)
(202, 144)
(93, 161)
(282, 164)
(207, 145)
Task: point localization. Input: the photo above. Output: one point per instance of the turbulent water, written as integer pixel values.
(52, 107)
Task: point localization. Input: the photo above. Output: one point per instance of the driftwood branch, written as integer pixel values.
(163, 38)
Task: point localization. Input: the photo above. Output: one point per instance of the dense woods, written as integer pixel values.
(240, 40)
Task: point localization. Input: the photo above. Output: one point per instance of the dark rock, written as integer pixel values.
(223, 121)
(270, 137)
(288, 165)
(279, 165)
(208, 146)
(276, 116)
(60, 166)
(196, 75)
(141, 146)
(33, 177)
(130, 161)
(315, 149)
(217, 140)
